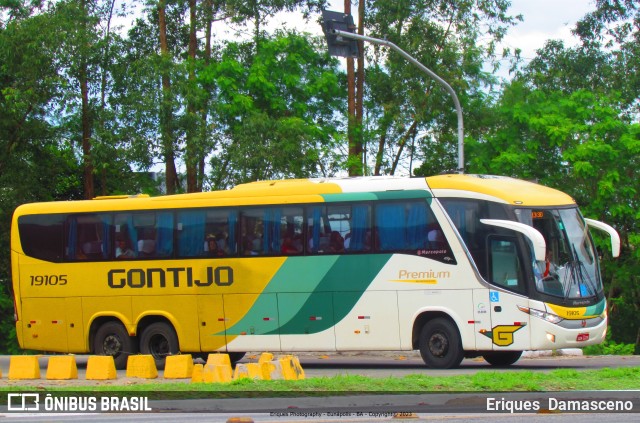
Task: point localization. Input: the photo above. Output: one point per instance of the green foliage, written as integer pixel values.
(408, 114)
(610, 347)
(275, 111)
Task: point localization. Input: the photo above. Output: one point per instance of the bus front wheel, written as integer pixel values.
(113, 339)
(440, 344)
(502, 358)
(159, 340)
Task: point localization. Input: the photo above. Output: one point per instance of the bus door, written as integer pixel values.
(211, 322)
(510, 328)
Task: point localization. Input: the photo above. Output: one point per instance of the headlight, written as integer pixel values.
(551, 318)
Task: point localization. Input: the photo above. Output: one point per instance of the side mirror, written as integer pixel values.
(536, 238)
(615, 238)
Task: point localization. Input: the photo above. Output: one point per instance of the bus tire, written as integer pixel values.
(159, 340)
(113, 339)
(234, 357)
(440, 344)
(502, 358)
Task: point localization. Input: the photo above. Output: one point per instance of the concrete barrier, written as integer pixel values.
(219, 359)
(142, 366)
(291, 368)
(24, 367)
(62, 367)
(197, 376)
(101, 367)
(248, 370)
(271, 370)
(217, 373)
(178, 367)
(265, 357)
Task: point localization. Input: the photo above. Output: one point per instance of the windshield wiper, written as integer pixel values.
(576, 274)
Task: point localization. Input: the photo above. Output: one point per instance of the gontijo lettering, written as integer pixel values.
(170, 277)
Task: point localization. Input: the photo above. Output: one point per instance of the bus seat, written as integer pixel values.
(146, 246)
(92, 248)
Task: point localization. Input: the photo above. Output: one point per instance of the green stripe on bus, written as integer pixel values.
(596, 309)
(305, 300)
(378, 195)
(349, 196)
(335, 296)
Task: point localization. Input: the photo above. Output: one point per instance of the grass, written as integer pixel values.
(627, 378)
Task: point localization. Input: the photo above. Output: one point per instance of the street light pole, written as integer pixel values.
(337, 36)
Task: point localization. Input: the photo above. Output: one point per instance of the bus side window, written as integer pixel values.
(505, 267)
(43, 236)
(88, 237)
(221, 228)
(403, 226)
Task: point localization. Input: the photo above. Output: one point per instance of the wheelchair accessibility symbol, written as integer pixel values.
(494, 296)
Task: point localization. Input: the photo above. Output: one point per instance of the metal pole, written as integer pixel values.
(428, 71)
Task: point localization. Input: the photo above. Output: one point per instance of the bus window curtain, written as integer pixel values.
(73, 238)
(390, 220)
(106, 234)
(271, 226)
(314, 242)
(164, 234)
(133, 234)
(359, 226)
(231, 242)
(417, 233)
(191, 238)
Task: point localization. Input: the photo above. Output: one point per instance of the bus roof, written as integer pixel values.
(498, 188)
(253, 193)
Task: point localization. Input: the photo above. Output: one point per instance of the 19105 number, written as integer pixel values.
(49, 280)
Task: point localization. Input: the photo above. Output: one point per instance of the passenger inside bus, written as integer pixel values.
(289, 246)
(122, 251)
(212, 248)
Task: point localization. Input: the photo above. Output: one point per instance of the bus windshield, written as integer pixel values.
(570, 269)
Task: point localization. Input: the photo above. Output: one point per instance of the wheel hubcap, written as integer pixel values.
(438, 344)
(112, 345)
(159, 346)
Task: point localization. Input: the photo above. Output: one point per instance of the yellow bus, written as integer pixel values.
(454, 266)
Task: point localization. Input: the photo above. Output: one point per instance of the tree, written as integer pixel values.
(406, 108)
(275, 110)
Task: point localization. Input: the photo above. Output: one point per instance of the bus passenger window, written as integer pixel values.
(88, 237)
(220, 224)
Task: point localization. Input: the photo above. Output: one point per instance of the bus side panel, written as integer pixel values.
(252, 322)
(372, 324)
(44, 326)
(482, 313)
(114, 306)
(307, 321)
(211, 323)
(457, 304)
(77, 341)
(181, 310)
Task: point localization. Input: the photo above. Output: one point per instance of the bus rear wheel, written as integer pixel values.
(502, 358)
(440, 344)
(113, 339)
(159, 340)
(234, 357)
